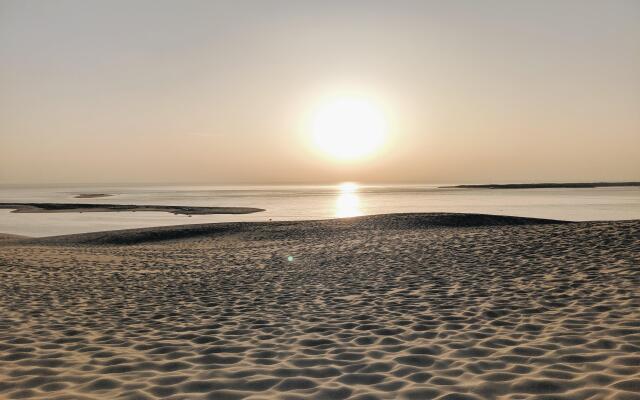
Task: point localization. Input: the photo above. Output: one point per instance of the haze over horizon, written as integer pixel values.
(236, 92)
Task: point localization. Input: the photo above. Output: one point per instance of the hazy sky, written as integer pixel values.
(218, 92)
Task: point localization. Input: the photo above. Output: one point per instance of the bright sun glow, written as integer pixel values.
(349, 128)
(348, 187)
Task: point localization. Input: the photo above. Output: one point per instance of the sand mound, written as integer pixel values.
(139, 236)
(367, 308)
(8, 236)
(291, 230)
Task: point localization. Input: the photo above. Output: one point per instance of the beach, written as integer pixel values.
(397, 306)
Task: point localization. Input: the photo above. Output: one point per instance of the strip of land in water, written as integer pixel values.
(577, 185)
(75, 207)
(91, 195)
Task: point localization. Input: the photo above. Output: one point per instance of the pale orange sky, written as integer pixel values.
(218, 92)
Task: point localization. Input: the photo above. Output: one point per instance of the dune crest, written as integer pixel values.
(292, 229)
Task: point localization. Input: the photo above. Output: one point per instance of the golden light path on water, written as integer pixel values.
(348, 201)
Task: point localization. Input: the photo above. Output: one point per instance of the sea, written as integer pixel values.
(305, 202)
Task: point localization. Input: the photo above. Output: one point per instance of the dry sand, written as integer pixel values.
(383, 307)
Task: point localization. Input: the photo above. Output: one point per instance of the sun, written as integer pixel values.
(348, 128)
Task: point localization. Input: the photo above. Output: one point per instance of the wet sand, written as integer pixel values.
(422, 306)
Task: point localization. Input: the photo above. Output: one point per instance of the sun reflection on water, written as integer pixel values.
(348, 201)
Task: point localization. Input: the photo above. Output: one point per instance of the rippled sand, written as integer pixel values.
(383, 307)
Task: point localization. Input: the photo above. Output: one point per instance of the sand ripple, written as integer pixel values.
(374, 308)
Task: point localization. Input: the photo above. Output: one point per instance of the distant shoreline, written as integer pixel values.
(545, 185)
(92, 195)
(79, 208)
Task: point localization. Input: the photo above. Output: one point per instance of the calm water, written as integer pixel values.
(308, 202)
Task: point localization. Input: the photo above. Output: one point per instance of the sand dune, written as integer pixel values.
(281, 230)
(414, 306)
(10, 236)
